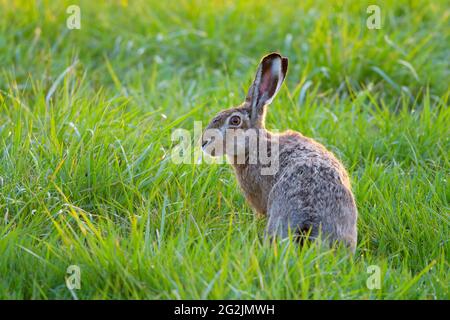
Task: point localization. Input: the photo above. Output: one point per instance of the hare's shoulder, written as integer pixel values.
(298, 151)
(296, 148)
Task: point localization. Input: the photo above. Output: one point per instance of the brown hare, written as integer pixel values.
(310, 193)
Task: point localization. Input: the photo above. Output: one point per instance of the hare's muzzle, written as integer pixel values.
(209, 148)
(205, 144)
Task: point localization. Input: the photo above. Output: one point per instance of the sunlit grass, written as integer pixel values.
(85, 170)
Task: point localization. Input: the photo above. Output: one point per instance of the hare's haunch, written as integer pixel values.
(308, 191)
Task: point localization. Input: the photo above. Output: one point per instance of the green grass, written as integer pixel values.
(85, 171)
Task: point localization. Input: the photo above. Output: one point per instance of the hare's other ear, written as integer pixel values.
(269, 77)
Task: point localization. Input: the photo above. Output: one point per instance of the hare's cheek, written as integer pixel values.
(241, 145)
(235, 147)
(235, 143)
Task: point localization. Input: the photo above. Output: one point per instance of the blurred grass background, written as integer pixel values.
(85, 123)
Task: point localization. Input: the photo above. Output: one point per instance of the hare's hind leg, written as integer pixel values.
(277, 227)
(281, 225)
(289, 214)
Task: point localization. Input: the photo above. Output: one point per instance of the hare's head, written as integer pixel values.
(228, 131)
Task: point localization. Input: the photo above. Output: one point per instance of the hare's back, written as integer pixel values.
(297, 151)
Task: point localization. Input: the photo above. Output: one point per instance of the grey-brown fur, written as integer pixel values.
(311, 192)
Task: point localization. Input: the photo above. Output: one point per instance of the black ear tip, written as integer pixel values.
(275, 55)
(271, 56)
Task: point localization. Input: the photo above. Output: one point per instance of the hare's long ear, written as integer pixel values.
(269, 77)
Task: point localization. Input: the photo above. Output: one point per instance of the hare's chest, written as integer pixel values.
(256, 189)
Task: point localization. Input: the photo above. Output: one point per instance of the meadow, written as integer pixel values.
(86, 176)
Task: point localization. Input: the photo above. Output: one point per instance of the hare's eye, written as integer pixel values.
(235, 120)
